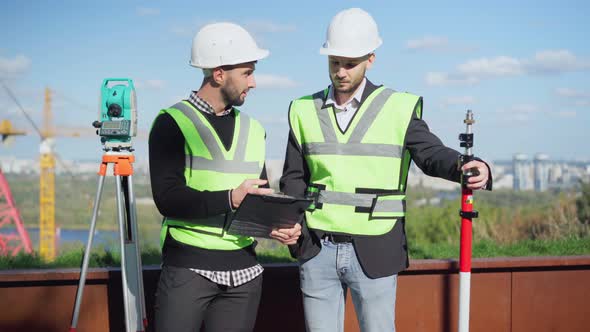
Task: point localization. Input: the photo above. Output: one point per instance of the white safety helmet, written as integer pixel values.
(352, 33)
(224, 43)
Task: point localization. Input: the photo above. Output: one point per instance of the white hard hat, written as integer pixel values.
(352, 33)
(224, 43)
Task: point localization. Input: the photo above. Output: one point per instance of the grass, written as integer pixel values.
(104, 258)
(485, 248)
(73, 259)
(280, 254)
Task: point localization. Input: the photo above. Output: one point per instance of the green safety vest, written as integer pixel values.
(210, 167)
(357, 177)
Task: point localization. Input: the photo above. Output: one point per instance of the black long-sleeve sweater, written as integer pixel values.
(174, 199)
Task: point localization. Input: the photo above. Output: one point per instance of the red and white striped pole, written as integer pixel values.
(467, 214)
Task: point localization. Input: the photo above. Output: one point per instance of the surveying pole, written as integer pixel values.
(467, 214)
(131, 271)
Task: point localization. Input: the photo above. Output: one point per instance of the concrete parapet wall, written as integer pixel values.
(508, 294)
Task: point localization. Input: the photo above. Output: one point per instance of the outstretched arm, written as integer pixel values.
(436, 159)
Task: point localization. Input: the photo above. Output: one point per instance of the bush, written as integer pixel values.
(583, 203)
(522, 216)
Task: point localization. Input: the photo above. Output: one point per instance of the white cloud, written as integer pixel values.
(16, 66)
(255, 27)
(544, 62)
(181, 31)
(274, 81)
(567, 114)
(436, 44)
(156, 84)
(146, 11)
(189, 28)
(30, 99)
(176, 99)
(572, 93)
(556, 61)
(272, 120)
(428, 43)
(150, 84)
(489, 67)
(436, 78)
(9, 110)
(519, 112)
(267, 26)
(525, 108)
(458, 100)
(579, 98)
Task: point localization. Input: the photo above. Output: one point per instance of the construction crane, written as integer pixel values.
(47, 161)
(7, 131)
(47, 241)
(46, 179)
(11, 243)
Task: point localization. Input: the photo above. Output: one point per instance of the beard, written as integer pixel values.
(231, 95)
(344, 89)
(352, 82)
(349, 86)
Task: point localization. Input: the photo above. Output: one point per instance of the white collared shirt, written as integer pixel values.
(346, 111)
(204, 106)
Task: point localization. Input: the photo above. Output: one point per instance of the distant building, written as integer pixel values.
(522, 172)
(555, 173)
(541, 165)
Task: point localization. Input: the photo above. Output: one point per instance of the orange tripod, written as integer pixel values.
(131, 270)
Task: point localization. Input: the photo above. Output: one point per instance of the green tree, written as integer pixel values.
(583, 203)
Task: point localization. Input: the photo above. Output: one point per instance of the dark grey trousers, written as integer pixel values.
(185, 300)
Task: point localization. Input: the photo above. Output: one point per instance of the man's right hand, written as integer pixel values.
(287, 236)
(248, 187)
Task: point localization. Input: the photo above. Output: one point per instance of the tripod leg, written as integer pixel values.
(84, 270)
(135, 238)
(122, 235)
(132, 256)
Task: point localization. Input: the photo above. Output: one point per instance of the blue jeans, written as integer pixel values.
(324, 282)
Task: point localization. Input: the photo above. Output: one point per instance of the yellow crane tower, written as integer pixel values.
(47, 184)
(47, 239)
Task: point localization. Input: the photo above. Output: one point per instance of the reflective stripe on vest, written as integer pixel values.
(208, 167)
(354, 149)
(218, 163)
(361, 200)
(360, 173)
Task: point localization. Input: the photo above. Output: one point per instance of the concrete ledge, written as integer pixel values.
(508, 294)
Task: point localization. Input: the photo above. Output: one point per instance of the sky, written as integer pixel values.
(521, 66)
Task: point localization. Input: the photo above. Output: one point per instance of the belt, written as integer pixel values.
(337, 238)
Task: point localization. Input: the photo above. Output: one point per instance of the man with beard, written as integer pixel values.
(205, 156)
(350, 147)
